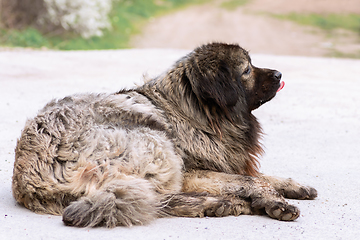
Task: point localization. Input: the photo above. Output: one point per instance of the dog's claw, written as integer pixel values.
(283, 212)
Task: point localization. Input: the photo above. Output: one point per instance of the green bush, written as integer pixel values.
(126, 17)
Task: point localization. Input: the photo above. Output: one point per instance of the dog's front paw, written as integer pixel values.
(282, 211)
(301, 192)
(311, 193)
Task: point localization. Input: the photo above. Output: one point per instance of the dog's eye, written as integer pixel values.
(247, 71)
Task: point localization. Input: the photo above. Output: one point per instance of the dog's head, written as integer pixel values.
(222, 75)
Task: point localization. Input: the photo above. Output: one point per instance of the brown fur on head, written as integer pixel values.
(222, 75)
(215, 88)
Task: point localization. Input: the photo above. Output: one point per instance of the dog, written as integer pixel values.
(183, 144)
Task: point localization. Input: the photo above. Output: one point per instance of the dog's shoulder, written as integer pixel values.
(134, 108)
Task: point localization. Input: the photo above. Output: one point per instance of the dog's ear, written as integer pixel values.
(214, 82)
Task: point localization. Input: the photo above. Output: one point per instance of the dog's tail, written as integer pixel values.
(123, 202)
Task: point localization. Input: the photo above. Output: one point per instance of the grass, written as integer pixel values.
(126, 17)
(329, 23)
(338, 54)
(27, 38)
(325, 21)
(233, 4)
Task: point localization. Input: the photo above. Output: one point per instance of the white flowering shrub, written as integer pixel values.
(86, 17)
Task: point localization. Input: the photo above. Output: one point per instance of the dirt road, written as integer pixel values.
(252, 29)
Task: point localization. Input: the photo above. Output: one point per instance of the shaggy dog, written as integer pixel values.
(183, 144)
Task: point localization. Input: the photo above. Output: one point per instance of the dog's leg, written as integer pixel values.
(290, 188)
(192, 204)
(122, 202)
(259, 192)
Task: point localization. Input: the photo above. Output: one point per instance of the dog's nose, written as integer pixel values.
(277, 75)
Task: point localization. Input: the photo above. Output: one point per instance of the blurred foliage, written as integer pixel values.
(27, 38)
(233, 4)
(126, 17)
(325, 21)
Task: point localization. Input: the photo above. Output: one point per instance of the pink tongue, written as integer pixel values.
(282, 84)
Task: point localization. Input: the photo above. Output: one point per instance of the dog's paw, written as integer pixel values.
(312, 193)
(301, 193)
(80, 214)
(282, 211)
(220, 209)
(97, 210)
(118, 205)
